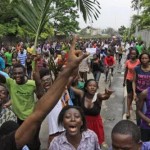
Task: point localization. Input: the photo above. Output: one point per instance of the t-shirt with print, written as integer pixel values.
(22, 97)
(6, 114)
(142, 79)
(131, 65)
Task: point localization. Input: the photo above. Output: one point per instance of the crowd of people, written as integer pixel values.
(31, 89)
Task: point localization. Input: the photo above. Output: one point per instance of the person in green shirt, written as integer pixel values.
(8, 56)
(22, 93)
(140, 47)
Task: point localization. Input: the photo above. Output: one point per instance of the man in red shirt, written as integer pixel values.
(109, 64)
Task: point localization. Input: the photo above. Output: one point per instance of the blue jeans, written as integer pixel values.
(97, 75)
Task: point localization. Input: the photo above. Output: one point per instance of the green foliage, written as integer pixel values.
(122, 30)
(65, 21)
(143, 20)
(35, 13)
(139, 39)
(89, 8)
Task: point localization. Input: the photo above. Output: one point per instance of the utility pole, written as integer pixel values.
(138, 12)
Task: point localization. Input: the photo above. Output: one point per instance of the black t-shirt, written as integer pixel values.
(8, 142)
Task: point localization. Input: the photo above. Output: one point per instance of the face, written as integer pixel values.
(72, 121)
(14, 61)
(46, 82)
(133, 54)
(19, 75)
(145, 59)
(91, 87)
(124, 142)
(3, 95)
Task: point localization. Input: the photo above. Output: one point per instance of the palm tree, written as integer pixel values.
(89, 8)
(36, 13)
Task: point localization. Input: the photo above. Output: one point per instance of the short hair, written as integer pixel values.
(87, 82)
(145, 53)
(63, 111)
(134, 49)
(19, 66)
(127, 127)
(44, 72)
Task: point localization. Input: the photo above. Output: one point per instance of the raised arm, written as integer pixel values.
(27, 130)
(77, 91)
(141, 100)
(105, 95)
(36, 76)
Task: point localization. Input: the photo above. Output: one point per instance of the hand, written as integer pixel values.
(108, 91)
(135, 97)
(7, 105)
(75, 56)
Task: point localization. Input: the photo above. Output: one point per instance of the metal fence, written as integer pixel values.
(145, 35)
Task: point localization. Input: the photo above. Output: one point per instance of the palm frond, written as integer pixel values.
(89, 9)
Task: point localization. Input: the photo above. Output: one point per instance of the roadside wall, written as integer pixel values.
(145, 35)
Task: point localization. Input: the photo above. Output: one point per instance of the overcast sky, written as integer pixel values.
(114, 13)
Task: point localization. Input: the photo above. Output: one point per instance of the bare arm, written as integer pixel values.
(36, 76)
(27, 130)
(134, 86)
(105, 95)
(125, 75)
(141, 100)
(78, 92)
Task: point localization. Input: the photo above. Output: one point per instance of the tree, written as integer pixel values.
(65, 21)
(35, 13)
(145, 16)
(89, 8)
(110, 31)
(135, 4)
(143, 20)
(121, 30)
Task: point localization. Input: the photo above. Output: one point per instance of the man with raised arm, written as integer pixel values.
(25, 133)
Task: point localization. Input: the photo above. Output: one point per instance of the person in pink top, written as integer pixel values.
(128, 77)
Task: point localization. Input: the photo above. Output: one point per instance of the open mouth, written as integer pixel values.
(18, 79)
(73, 128)
(46, 86)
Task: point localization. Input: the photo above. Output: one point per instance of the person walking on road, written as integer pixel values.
(141, 79)
(128, 77)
